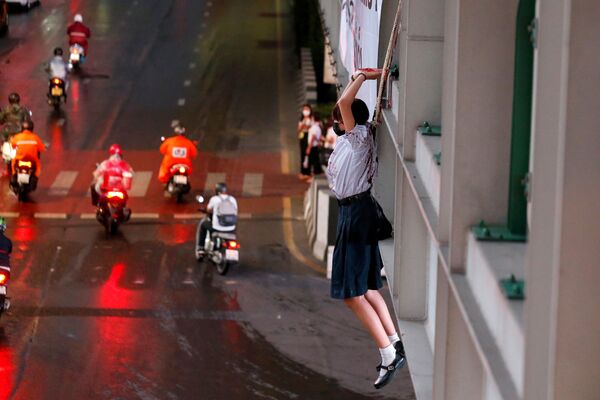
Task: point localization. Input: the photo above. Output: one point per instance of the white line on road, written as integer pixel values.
(42, 215)
(62, 183)
(192, 65)
(244, 216)
(88, 216)
(206, 13)
(187, 82)
(196, 50)
(144, 215)
(212, 178)
(181, 102)
(253, 184)
(9, 214)
(141, 181)
(188, 216)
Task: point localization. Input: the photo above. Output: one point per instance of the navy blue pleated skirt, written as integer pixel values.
(357, 261)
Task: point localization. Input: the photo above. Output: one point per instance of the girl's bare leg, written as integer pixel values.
(378, 304)
(370, 319)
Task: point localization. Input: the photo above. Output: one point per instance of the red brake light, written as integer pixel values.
(111, 195)
(24, 163)
(3, 278)
(233, 244)
(182, 170)
(56, 81)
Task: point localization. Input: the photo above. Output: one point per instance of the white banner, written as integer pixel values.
(359, 42)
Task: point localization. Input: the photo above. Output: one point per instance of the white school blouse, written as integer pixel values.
(353, 163)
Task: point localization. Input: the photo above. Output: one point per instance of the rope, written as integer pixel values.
(386, 65)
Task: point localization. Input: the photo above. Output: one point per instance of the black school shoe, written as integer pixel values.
(399, 346)
(384, 379)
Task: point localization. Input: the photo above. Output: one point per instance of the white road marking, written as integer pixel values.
(62, 183)
(209, 4)
(188, 216)
(206, 13)
(50, 215)
(253, 184)
(196, 50)
(192, 65)
(88, 216)
(187, 82)
(212, 179)
(244, 216)
(181, 102)
(9, 214)
(141, 181)
(144, 215)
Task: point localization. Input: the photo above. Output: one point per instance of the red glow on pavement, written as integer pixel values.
(75, 95)
(7, 371)
(177, 234)
(56, 135)
(111, 294)
(24, 231)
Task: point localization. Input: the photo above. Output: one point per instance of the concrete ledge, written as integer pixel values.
(311, 209)
(487, 263)
(426, 148)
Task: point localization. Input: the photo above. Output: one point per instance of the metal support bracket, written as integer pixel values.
(429, 130)
(485, 232)
(513, 288)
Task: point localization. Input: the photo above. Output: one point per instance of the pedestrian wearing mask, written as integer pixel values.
(304, 124)
(357, 263)
(311, 157)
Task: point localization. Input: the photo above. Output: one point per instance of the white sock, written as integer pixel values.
(387, 357)
(394, 338)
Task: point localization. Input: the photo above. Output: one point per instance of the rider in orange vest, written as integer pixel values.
(28, 146)
(177, 149)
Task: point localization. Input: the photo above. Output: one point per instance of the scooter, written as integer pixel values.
(112, 210)
(23, 180)
(179, 181)
(76, 57)
(56, 93)
(220, 248)
(4, 299)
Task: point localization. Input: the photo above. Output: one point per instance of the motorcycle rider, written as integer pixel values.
(28, 147)
(79, 33)
(5, 245)
(177, 149)
(57, 68)
(221, 216)
(113, 173)
(12, 116)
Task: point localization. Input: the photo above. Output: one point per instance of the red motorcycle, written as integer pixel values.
(112, 210)
(179, 181)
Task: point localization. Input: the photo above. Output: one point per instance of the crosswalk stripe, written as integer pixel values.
(9, 214)
(144, 215)
(212, 178)
(88, 216)
(62, 183)
(141, 180)
(42, 215)
(188, 216)
(253, 184)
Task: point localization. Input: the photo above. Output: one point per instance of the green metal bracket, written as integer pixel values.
(429, 130)
(485, 232)
(395, 72)
(516, 224)
(513, 288)
(437, 157)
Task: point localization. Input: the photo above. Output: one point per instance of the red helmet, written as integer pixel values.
(115, 149)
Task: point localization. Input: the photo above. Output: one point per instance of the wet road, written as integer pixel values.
(134, 315)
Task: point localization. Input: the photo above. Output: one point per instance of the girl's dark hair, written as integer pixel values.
(316, 116)
(360, 112)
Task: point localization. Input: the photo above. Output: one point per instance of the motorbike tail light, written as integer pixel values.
(112, 195)
(56, 81)
(233, 244)
(4, 277)
(24, 163)
(182, 170)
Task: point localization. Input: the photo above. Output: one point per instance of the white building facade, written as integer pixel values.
(514, 86)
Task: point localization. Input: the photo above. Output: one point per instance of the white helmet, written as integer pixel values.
(78, 18)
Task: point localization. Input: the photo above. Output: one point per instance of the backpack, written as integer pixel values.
(226, 212)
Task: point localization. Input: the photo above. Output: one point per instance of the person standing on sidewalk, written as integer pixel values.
(311, 159)
(357, 263)
(304, 124)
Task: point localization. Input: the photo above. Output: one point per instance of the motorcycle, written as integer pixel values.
(179, 181)
(112, 210)
(23, 179)
(76, 57)
(56, 93)
(4, 299)
(220, 248)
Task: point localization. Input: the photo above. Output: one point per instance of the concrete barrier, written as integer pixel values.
(326, 222)
(317, 184)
